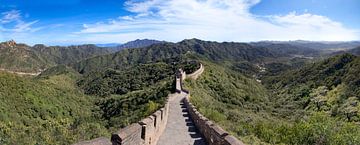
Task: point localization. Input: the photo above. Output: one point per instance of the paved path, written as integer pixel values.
(197, 73)
(180, 129)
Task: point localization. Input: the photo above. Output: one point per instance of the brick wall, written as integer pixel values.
(148, 130)
(145, 132)
(213, 134)
(195, 74)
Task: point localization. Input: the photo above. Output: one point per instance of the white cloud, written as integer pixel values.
(225, 20)
(15, 23)
(10, 16)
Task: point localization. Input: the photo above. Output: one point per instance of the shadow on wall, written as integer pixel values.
(193, 132)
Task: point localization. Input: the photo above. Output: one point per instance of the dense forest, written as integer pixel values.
(45, 111)
(314, 104)
(24, 58)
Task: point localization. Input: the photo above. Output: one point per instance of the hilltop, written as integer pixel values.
(24, 58)
(138, 43)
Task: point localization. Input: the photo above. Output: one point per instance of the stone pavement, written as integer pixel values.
(180, 130)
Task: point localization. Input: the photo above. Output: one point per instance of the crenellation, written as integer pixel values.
(213, 134)
(129, 135)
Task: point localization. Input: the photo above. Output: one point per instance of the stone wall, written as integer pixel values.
(213, 134)
(195, 74)
(148, 130)
(145, 132)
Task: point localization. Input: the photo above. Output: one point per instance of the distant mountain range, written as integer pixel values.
(131, 44)
(317, 44)
(211, 50)
(138, 43)
(24, 58)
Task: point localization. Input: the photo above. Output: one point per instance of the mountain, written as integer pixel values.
(214, 51)
(326, 44)
(316, 103)
(138, 43)
(69, 54)
(286, 49)
(158, 52)
(20, 57)
(355, 51)
(24, 58)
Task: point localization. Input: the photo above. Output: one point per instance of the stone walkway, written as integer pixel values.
(180, 129)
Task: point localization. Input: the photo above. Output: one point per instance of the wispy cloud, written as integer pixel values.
(10, 16)
(12, 22)
(226, 20)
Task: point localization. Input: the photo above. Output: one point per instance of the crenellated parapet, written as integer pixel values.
(145, 132)
(213, 134)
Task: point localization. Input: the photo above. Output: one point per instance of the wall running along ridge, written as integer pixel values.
(148, 130)
(213, 134)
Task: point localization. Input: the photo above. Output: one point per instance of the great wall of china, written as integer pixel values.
(186, 125)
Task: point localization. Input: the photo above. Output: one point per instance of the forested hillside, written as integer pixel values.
(24, 58)
(20, 57)
(61, 106)
(314, 104)
(54, 110)
(213, 51)
(138, 43)
(69, 54)
(331, 85)
(46, 111)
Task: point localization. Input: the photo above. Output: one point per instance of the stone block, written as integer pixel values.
(219, 131)
(157, 120)
(148, 129)
(129, 135)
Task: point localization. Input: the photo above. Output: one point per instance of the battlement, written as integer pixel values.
(145, 132)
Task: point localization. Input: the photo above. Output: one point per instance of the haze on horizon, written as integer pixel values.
(117, 21)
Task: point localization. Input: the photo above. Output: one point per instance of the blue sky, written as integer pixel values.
(104, 21)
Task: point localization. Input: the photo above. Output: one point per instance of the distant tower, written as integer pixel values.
(11, 43)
